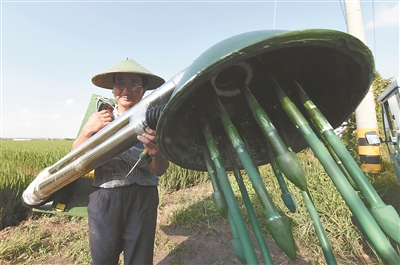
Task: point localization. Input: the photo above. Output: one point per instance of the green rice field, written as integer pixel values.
(21, 161)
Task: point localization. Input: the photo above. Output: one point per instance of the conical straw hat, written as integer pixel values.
(105, 79)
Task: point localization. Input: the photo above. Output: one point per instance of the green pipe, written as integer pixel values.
(385, 215)
(287, 197)
(277, 225)
(250, 211)
(319, 229)
(218, 195)
(220, 202)
(233, 206)
(323, 239)
(235, 241)
(371, 228)
(284, 157)
(338, 162)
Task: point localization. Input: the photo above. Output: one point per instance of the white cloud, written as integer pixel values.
(385, 17)
(69, 102)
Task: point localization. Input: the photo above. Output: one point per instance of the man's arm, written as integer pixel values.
(159, 163)
(96, 122)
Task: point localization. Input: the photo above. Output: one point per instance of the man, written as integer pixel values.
(122, 210)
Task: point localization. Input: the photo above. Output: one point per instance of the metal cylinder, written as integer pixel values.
(117, 137)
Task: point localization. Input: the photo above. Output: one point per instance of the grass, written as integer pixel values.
(21, 161)
(193, 210)
(332, 210)
(41, 238)
(177, 178)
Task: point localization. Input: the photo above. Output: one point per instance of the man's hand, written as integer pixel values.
(149, 140)
(98, 121)
(159, 164)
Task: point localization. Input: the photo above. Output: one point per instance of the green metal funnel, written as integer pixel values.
(335, 67)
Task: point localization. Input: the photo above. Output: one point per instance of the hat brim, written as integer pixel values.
(105, 80)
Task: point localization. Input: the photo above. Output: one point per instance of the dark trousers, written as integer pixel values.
(123, 219)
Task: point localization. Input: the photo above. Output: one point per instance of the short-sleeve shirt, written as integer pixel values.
(114, 173)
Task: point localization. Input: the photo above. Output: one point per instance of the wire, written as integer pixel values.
(275, 14)
(373, 22)
(343, 13)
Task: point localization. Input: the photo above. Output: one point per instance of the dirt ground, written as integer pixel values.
(212, 246)
(201, 245)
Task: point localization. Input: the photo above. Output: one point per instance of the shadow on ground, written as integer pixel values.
(202, 245)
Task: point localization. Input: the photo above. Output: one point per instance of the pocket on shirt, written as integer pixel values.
(119, 168)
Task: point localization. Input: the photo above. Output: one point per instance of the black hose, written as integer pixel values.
(152, 116)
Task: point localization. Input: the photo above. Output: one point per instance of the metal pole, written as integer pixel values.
(370, 155)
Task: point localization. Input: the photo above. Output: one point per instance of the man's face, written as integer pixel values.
(128, 89)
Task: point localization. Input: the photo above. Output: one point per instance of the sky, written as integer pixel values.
(50, 50)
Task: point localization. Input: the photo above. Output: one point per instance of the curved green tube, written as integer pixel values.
(338, 162)
(218, 195)
(319, 229)
(277, 225)
(250, 211)
(287, 197)
(284, 157)
(233, 206)
(371, 228)
(385, 215)
(295, 169)
(222, 207)
(235, 241)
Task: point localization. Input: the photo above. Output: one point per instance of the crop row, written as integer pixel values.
(21, 161)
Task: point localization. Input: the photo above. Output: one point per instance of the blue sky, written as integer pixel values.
(50, 50)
